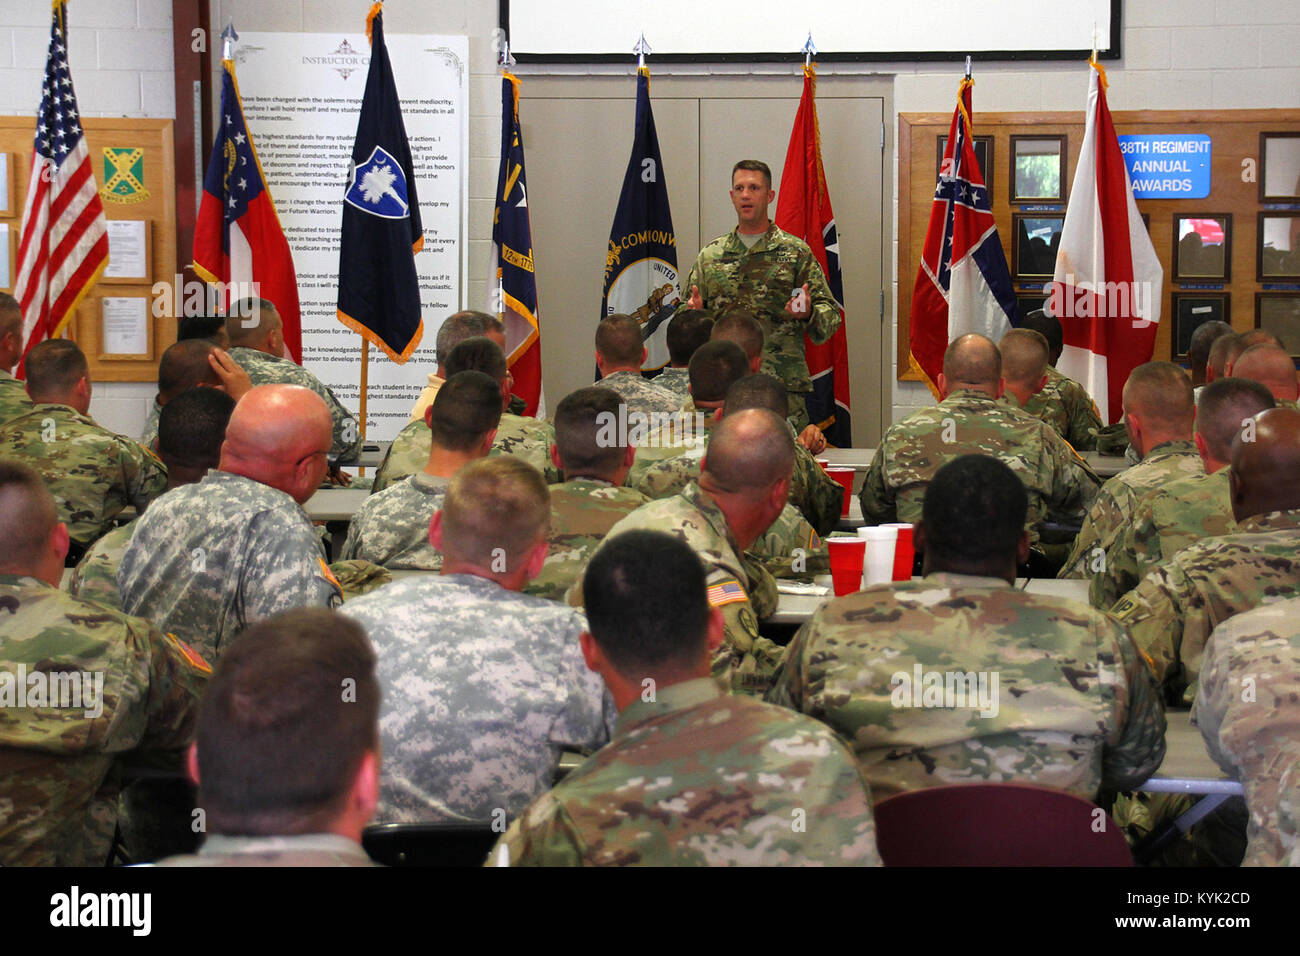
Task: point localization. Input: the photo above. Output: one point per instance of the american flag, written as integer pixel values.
(64, 242)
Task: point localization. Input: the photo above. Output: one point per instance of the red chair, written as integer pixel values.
(996, 824)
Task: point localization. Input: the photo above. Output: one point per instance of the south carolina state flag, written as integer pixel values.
(963, 283)
(237, 239)
(1107, 288)
(803, 209)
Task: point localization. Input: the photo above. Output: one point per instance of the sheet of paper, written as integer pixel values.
(125, 328)
(128, 256)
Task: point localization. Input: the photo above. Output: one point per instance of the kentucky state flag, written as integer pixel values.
(963, 283)
(239, 245)
(379, 293)
(641, 262)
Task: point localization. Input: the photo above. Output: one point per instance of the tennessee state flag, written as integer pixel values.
(514, 295)
(379, 291)
(238, 244)
(1107, 287)
(963, 283)
(803, 209)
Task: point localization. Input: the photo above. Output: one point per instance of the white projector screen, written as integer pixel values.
(687, 30)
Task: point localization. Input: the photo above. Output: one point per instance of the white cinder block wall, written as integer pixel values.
(1194, 54)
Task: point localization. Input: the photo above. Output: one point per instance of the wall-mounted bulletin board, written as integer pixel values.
(1228, 246)
(121, 325)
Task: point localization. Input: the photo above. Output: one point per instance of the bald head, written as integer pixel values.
(1024, 359)
(1265, 461)
(749, 451)
(183, 366)
(1272, 367)
(972, 361)
(1158, 405)
(281, 436)
(28, 518)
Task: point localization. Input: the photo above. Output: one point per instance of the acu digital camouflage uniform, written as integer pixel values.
(582, 512)
(58, 775)
(1066, 405)
(1113, 508)
(391, 528)
(1166, 520)
(14, 400)
(642, 395)
(301, 849)
(266, 369)
(676, 380)
(695, 778)
(1077, 709)
(914, 450)
(92, 472)
(1173, 610)
(526, 438)
(1248, 709)
(760, 280)
(95, 577)
(483, 688)
(741, 588)
(214, 557)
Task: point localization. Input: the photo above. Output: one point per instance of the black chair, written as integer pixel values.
(429, 844)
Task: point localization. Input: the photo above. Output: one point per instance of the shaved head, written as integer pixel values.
(972, 360)
(1049, 326)
(1223, 352)
(1198, 349)
(749, 451)
(273, 432)
(1272, 367)
(1225, 403)
(185, 365)
(1024, 357)
(251, 321)
(495, 506)
(1160, 393)
(714, 368)
(27, 518)
(1265, 465)
(741, 328)
(618, 341)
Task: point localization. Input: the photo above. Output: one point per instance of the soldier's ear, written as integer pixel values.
(489, 439)
(60, 540)
(629, 455)
(435, 530)
(555, 457)
(590, 652)
(192, 763)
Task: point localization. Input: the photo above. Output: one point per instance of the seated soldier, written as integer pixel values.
(960, 677)
(483, 687)
(1198, 352)
(620, 354)
(272, 708)
(189, 444)
(592, 499)
(969, 421)
(14, 400)
(1273, 368)
(237, 547)
(1247, 710)
(1183, 511)
(92, 472)
(735, 772)
(525, 438)
(392, 527)
(183, 366)
(1158, 414)
(1024, 367)
(456, 328)
(687, 331)
(1175, 607)
(744, 485)
(81, 686)
(1062, 401)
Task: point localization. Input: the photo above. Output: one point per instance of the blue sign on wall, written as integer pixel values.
(1173, 166)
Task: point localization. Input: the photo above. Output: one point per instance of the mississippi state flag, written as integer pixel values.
(1107, 287)
(963, 284)
(803, 209)
(238, 243)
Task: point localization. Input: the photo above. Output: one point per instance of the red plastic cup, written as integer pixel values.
(904, 552)
(845, 477)
(847, 555)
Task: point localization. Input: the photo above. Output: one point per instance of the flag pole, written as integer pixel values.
(228, 38)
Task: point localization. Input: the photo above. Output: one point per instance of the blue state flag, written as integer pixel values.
(641, 262)
(379, 292)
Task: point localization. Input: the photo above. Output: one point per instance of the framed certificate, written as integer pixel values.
(128, 252)
(124, 331)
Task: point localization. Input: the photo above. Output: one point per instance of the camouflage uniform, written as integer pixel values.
(526, 438)
(760, 280)
(582, 512)
(1066, 405)
(1113, 509)
(300, 849)
(58, 779)
(685, 435)
(14, 400)
(95, 577)
(150, 434)
(790, 547)
(1076, 709)
(266, 369)
(1247, 709)
(742, 589)
(676, 380)
(482, 690)
(642, 394)
(391, 528)
(211, 558)
(696, 778)
(92, 472)
(1172, 612)
(1165, 521)
(914, 449)
(1288, 812)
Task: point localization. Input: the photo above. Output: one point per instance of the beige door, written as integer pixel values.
(577, 136)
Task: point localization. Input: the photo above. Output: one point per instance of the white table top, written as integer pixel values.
(1107, 466)
(335, 504)
(858, 459)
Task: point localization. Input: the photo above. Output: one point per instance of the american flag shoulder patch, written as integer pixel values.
(726, 592)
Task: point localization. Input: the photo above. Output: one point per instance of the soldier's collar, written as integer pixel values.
(1178, 446)
(665, 700)
(1272, 520)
